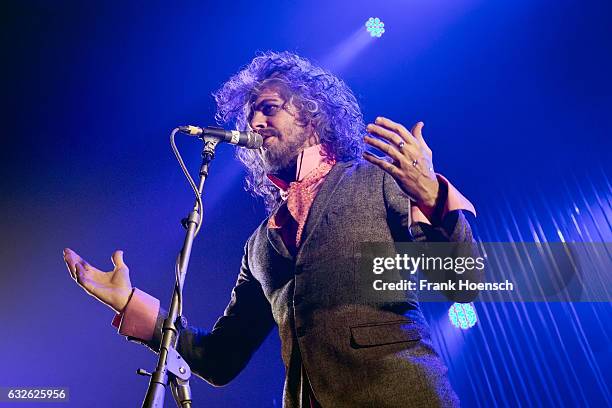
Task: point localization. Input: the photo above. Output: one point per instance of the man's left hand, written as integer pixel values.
(411, 164)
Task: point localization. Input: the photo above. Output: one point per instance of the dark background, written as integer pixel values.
(516, 100)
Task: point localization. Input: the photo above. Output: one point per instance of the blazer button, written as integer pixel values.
(297, 299)
(300, 331)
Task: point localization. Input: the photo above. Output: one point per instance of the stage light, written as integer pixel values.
(462, 315)
(375, 27)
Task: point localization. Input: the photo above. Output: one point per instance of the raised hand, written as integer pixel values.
(112, 288)
(411, 159)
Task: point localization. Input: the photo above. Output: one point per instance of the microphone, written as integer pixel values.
(250, 140)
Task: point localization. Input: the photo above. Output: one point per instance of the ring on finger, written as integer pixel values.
(401, 145)
(415, 163)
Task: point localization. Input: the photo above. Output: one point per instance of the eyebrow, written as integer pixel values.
(267, 99)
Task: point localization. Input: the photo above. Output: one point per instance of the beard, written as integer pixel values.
(282, 155)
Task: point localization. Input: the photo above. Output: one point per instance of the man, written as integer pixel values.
(300, 267)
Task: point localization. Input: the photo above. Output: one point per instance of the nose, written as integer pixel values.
(258, 121)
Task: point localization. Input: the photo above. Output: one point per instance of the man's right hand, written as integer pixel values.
(111, 288)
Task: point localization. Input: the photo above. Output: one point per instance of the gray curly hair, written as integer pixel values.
(322, 99)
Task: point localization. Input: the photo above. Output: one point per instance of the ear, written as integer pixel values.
(314, 137)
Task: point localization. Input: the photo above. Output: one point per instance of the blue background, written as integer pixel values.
(516, 98)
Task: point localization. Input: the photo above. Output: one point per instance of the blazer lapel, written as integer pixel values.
(321, 201)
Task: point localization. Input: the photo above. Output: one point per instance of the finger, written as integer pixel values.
(386, 148)
(71, 270)
(417, 132)
(389, 135)
(83, 279)
(80, 274)
(71, 258)
(117, 259)
(396, 127)
(383, 164)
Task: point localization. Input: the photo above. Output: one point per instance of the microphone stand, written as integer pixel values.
(171, 368)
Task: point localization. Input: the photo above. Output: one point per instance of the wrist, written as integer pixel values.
(124, 299)
(433, 208)
(429, 203)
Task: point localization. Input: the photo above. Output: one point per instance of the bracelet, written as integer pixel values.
(128, 301)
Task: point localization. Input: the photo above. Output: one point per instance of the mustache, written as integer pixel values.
(268, 132)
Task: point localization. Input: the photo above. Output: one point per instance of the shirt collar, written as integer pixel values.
(308, 160)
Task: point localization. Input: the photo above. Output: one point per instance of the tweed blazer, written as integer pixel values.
(351, 350)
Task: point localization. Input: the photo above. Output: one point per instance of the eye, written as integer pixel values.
(269, 109)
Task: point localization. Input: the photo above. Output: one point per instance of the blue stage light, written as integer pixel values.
(462, 315)
(375, 27)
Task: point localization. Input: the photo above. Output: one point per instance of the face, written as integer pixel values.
(277, 120)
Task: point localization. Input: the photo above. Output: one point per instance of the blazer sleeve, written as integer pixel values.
(452, 228)
(220, 355)
(397, 204)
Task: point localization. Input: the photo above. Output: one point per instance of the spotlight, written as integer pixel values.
(375, 27)
(462, 315)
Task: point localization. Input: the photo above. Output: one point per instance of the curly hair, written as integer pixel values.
(322, 99)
